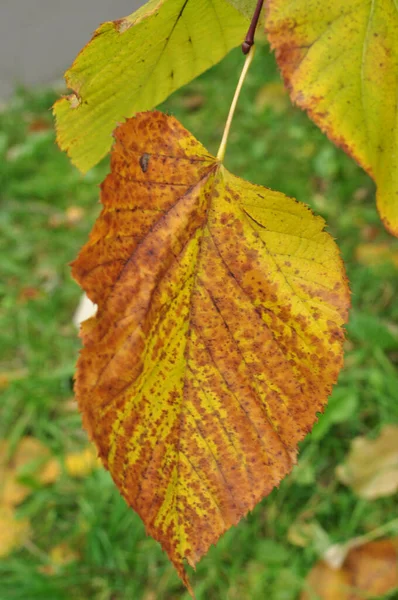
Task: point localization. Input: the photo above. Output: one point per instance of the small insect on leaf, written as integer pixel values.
(144, 162)
(218, 335)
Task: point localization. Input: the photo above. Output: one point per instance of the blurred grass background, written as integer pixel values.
(47, 210)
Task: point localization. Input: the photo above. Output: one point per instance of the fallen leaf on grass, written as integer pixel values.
(193, 102)
(59, 556)
(31, 458)
(327, 584)
(376, 254)
(304, 534)
(34, 460)
(74, 214)
(367, 572)
(70, 218)
(371, 468)
(28, 293)
(6, 377)
(217, 339)
(336, 554)
(81, 464)
(39, 124)
(13, 531)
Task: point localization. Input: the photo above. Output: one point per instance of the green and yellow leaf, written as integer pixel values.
(217, 339)
(135, 63)
(340, 62)
(246, 7)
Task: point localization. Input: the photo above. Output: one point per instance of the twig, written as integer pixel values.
(249, 39)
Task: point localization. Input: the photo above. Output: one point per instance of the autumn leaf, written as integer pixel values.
(373, 254)
(80, 464)
(32, 458)
(135, 63)
(59, 556)
(246, 7)
(371, 468)
(368, 572)
(218, 334)
(340, 61)
(13, 531)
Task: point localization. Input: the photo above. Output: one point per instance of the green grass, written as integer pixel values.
(39, 347)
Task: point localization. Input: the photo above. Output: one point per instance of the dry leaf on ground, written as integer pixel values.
(81, 464)
(60, 555)
(13, 531)
(371, 468)
(32, 458)
(371, 254)
(368, 571)
(303, 534)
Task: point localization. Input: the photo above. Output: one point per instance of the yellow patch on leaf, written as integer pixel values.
(217, 339)
(135, 63)
(340, 62)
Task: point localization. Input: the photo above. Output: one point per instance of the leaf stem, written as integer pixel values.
(223, 145)
(249, 39)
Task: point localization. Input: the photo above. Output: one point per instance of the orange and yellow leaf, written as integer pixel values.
(340, 61)
(217, 339)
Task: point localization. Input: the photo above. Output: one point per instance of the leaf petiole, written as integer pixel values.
(223, 145)
(249, 39)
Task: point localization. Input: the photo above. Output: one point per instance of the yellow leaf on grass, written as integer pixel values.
(81, 464)
(218, 334)
(31, 458)
(368, 572)
(340, 61)
(135, 63)
(371, 468)
(60, 555)
(13, 531)
(373, 253)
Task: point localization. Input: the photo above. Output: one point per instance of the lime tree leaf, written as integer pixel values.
(246, 7)
(218, 334)
(340, 61)
(134, 63)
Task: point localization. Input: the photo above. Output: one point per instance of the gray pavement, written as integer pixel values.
(40, 38)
